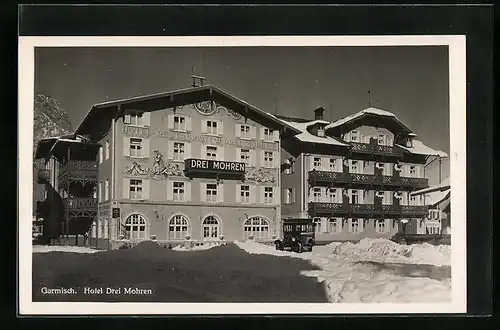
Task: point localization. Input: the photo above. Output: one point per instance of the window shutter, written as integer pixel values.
(146, 118)
(276, 196)
(204, 126)
(238, 154)
(170, 190)
(293, 195)
(237, 130)
(170, 121)
(389, 141)
(276, 135)
(417, 171)
(311, 162)
(324, 222)
(145, 148)
(126, 189)
(189, 124)
(253, 131)
(126, 119)
(220, 193)
(253, 158)
(203, 192)
(187, 150)
(238, 193)
(361, 196)
(126, 146)
(253, 194)
(220, 127)
(220, 153)
(145, 189)
(187, 191)
(262, 133)
(261, 194)
(275, 159)
(170, 149)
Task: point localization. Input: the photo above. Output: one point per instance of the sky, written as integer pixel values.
(409, 81)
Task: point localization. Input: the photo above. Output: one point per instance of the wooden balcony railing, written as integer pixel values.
(316, 208)
(80, 204)
(376, 149)
(79, 169)
(342, 178)
(43, 176)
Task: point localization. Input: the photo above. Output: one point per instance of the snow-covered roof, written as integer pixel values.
(436, 197)
(371, 110)
(421, 149)
(443, 186)
(305, 136)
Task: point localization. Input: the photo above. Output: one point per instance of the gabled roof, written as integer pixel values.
(305, 136)
(421, 149)
(108, 110)
(57, 145)
(369, 112)
(444, 185)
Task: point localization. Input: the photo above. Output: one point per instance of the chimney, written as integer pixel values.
(318, 113)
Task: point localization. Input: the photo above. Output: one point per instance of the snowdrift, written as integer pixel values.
(62, 248)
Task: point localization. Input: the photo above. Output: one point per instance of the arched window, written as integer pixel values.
(256, 226)
(178, 227)
(135, 227)
(211, 228)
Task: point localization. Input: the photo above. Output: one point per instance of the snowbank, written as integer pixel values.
(194, 248)
(349, 278)
(74, 249)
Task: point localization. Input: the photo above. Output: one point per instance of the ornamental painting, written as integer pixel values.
(260, 175)
(209, 108)
(136, 169)
(161, 169)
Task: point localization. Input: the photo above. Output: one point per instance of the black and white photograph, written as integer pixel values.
(310, 174)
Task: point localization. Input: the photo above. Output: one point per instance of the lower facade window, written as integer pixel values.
(178, 227)
(317, 225)
(210, 228)
(380, 226)
(356, 225)
(335, 225)
(257, 227)
(135, 227)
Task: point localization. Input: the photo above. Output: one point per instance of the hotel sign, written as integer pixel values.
(205, 165)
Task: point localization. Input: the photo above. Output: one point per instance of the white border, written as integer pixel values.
(457, 155)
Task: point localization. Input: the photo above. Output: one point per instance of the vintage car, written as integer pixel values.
(298, 236)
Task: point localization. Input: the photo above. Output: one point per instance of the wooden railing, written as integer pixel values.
(83, 204)
(376, 149)
(365, 209)
(316, 176)
(81, 169)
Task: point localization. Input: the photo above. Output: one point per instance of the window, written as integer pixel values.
(355, 225)
(317, 163)
(290, 167)
(414, 200)
(245, 131)
(106, 190)
(210, 228)
(212, 153)
(354, 166)
(257, 227)
(268, 195)
(268, 135)
(413, 171)
(245, 194)
(179, 148)
(380, 226)
(211, 127)
(354, 136)
(409, 143)
(316, 194)
(381, 139)
(268, 158)
(135, 227)
(107, 149)
(135, 147)
(211, 192)
(354, 197)
(245, 156)
(179, 123)
(136, 119)
(100, 192)
(335, 225)
(332, 195)
(178, 191)
(289, 195)
(317, 225)
(135, 189)
(100, 155)
(178, 227)
(332, 164)
(321, 131)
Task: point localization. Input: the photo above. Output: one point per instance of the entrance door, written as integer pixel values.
(210, 229)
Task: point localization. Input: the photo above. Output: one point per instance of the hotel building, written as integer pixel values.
(354, 176)
(195, 164)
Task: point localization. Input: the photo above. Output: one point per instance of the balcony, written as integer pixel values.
(80, 204)
(43, 176)
(333, 209)
(375, 149)
(79, 169)
(370, 179)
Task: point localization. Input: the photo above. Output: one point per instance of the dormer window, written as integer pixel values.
(409, 143)
(321, 131)
(354, 136)
(381, 139)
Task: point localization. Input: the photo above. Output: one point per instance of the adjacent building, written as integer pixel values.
(354, 176)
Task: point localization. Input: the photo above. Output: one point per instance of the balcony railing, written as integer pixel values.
(43, 176)
(366, 209)
(376, 149)
(80, 204)
(80, 169)
(336, 177)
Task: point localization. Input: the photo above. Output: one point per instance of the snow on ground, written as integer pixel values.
(371, 271)
(74, 249)
(194, 248)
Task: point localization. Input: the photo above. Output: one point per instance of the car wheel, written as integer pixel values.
(298, 248)
(278, 246)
